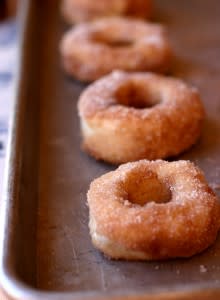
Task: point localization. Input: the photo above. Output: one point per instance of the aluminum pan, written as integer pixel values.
(47, 175)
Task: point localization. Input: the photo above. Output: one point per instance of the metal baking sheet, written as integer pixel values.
(47, 252)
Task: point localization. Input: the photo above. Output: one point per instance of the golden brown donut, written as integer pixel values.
(153, 210)
(75, 11)
(91, 50)
(131, 116)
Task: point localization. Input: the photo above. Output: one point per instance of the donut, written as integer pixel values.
(131, 116)
(92, 50)
(153, 210)
(75, 11)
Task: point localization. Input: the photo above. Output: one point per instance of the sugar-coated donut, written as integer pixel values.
(153, 210)
(91, 50)
(75, 11)
(131, 116)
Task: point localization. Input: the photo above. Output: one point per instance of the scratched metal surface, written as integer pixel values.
(48, 244)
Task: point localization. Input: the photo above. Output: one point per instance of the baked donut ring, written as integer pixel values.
(153, 210)
(91, 50)
(131, 116)
(75, 11)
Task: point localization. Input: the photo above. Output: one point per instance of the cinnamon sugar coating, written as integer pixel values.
(131, 116)
(75, 11)
(153, 210)
(92, 50)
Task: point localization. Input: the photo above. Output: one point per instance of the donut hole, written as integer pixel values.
(134, 95)
(112, 41)
(145, 187)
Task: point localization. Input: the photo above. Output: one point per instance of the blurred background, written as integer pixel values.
(8, 64)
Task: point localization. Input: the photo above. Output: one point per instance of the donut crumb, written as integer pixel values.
(202, 269)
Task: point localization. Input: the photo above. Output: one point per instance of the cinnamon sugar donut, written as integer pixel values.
(75, 11)
(153, 210)
(91, 50)
(131, 116)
